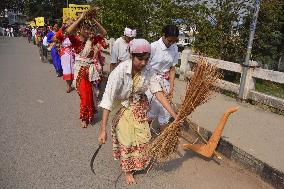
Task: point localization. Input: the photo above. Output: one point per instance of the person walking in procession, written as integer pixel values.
(8, 32)
(12, 32)
(120, 49)
(56, 61)
(85, 73)
(67, 55)
(125, 95)
(164, 57)
(3, 31)
(34, 34)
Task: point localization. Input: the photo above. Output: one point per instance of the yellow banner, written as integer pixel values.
(67, 13)
(76, 10)
(39, 21)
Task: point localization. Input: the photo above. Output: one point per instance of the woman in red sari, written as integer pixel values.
(85, 73)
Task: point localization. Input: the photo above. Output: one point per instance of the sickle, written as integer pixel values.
(94, 157)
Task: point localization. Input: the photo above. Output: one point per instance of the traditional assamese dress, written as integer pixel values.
(56, 61)
(55, 56)
(85, 72)
(130, 127)
(67, 55)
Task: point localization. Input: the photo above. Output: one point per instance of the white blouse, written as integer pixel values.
(163, 58)
(120, 84)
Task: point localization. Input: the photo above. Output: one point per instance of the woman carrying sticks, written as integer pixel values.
(85, 73)
(126, 87)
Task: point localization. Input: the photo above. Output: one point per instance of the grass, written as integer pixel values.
(267, 87)
(270, 88)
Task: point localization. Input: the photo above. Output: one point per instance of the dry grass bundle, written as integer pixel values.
(198, 91)
(89, 21)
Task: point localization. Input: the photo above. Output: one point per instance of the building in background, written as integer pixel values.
(13, 19)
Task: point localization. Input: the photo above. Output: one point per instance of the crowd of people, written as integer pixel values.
(8, 31)
(138, 90)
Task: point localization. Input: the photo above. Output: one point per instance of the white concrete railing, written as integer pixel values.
(187, 59)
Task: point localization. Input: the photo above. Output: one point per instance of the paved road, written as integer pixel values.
(42, 145)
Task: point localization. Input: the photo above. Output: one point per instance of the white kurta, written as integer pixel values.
(161, 60)
(120, 51)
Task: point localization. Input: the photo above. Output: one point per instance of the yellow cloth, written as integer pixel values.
(130, 132)
(130, 138)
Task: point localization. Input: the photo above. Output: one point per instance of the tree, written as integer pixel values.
(218, 23)
(268, 41)
(147, 16)
(49, 9)
(116, 15)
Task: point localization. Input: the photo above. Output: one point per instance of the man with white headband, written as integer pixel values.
(126, 89)
(120, 51)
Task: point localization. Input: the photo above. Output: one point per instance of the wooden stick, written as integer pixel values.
(197, 132)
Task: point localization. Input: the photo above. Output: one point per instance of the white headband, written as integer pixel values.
(129, 32)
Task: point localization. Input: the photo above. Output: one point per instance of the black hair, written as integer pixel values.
(140, 56)
(170, 31)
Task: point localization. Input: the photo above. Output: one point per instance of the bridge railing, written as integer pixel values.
(188, 59)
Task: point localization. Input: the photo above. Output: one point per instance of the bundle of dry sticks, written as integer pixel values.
(198, 91)
(89, 22)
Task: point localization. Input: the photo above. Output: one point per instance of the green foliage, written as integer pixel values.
(49, 9)
(268, 41)
(11, 5)
(218, 25)
(116, 15)
(147, 16)
(270, 88)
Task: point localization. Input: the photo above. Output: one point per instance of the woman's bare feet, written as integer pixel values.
(84, 124)
(129, 178)
(68, 90)
(69, 84)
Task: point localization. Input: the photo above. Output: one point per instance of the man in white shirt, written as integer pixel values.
(120, 50)
(34, 30)
(12, 32)
(8, 32)
(3, 31)
(163, 59)
(44, 47)
(44, 41)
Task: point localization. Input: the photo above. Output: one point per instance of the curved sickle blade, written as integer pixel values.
(94, 157)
